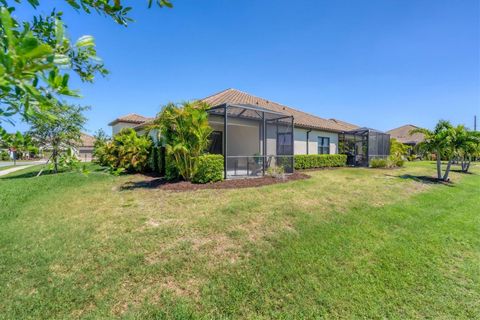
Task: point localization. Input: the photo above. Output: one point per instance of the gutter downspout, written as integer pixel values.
(308, 137)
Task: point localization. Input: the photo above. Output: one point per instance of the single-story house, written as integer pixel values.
(254, 133)
(85, 147)
(402, 134)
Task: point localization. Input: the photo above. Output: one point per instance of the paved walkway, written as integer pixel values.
(20, 166)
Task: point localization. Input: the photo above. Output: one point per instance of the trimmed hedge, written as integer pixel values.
(210, 169)
(309, 161)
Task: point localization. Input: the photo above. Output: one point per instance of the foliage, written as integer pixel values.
(171, 171)
(379, 163)
(99, 146)
(308, 161)
(448, 142)
(210, 168)
(276, 171)
(59, 133)
(127, 151)
(156, 159)
(467, 147)
(4, 156)
(18, 143)
(185, 132)
(37, 58)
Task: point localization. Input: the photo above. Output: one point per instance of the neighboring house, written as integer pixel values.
(85, 148)
(128, 121)
(402, 134)
(256, 133)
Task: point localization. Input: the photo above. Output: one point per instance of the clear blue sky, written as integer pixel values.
(376, 63)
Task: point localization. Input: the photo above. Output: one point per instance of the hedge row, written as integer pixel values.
(209, 169)
(309, 161)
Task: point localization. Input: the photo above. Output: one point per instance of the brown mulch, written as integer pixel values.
(160, 183)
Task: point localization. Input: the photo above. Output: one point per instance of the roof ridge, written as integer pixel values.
(280, 104)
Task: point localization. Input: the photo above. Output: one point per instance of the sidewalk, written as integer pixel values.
(20, 167)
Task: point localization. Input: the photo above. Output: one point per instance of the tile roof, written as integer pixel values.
(86, 140)
(234, 96)
(130, 118)
(402, 134)
(301, 119)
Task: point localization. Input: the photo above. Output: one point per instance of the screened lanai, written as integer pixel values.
(364, 144)
(252, 139)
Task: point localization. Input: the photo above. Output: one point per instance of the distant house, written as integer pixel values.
(402, 134)
(85, 148)
(253, 132)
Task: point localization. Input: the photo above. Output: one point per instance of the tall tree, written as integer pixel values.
(37, 58)
(61, 132)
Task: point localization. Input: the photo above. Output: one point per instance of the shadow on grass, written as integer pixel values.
(426, 180)
(146, 184)
(460, 171)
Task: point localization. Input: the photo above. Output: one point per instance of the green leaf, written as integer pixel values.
(85, 41)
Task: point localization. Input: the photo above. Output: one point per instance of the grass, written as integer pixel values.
(347, 243)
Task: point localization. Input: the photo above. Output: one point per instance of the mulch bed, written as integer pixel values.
(160, 183)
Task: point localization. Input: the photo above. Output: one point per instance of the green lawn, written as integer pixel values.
(347, 243)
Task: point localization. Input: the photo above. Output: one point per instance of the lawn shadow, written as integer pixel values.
(145, 184)
(425, 180)
(462, 172)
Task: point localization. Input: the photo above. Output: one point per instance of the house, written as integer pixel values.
(402, 134)
(255, 133)
(85, 147)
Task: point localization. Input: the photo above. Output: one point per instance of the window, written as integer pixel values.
(284, 144)
(216, 142)
(323, 145)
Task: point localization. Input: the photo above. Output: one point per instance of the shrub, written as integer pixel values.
(156, 159)
(276, 172)
(210, 168)
(308, 161)
(4, 156)
(171, 171)
(378, 163)
(127, 150)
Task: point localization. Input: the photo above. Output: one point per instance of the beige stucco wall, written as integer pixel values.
(300, 145)
(243, 135)
(116, 128)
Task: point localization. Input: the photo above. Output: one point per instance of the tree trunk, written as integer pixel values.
(55, 160)
(439, 166)
(447, 170)
(14, 158)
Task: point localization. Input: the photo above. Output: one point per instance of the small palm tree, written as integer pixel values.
(448, 142)
(468, 147)
(439, 143)
(185, 132)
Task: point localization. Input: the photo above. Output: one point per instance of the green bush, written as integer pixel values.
(127, 150)
(4, 156)
(156, 159)
(378, 163)
(171, 171)
(390, 162)
(210, 168)
(308, 161)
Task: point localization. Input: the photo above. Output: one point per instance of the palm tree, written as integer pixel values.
(185, 131)
(438, 142)
(468, 147)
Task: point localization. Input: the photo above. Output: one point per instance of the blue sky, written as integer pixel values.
(376, 63)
